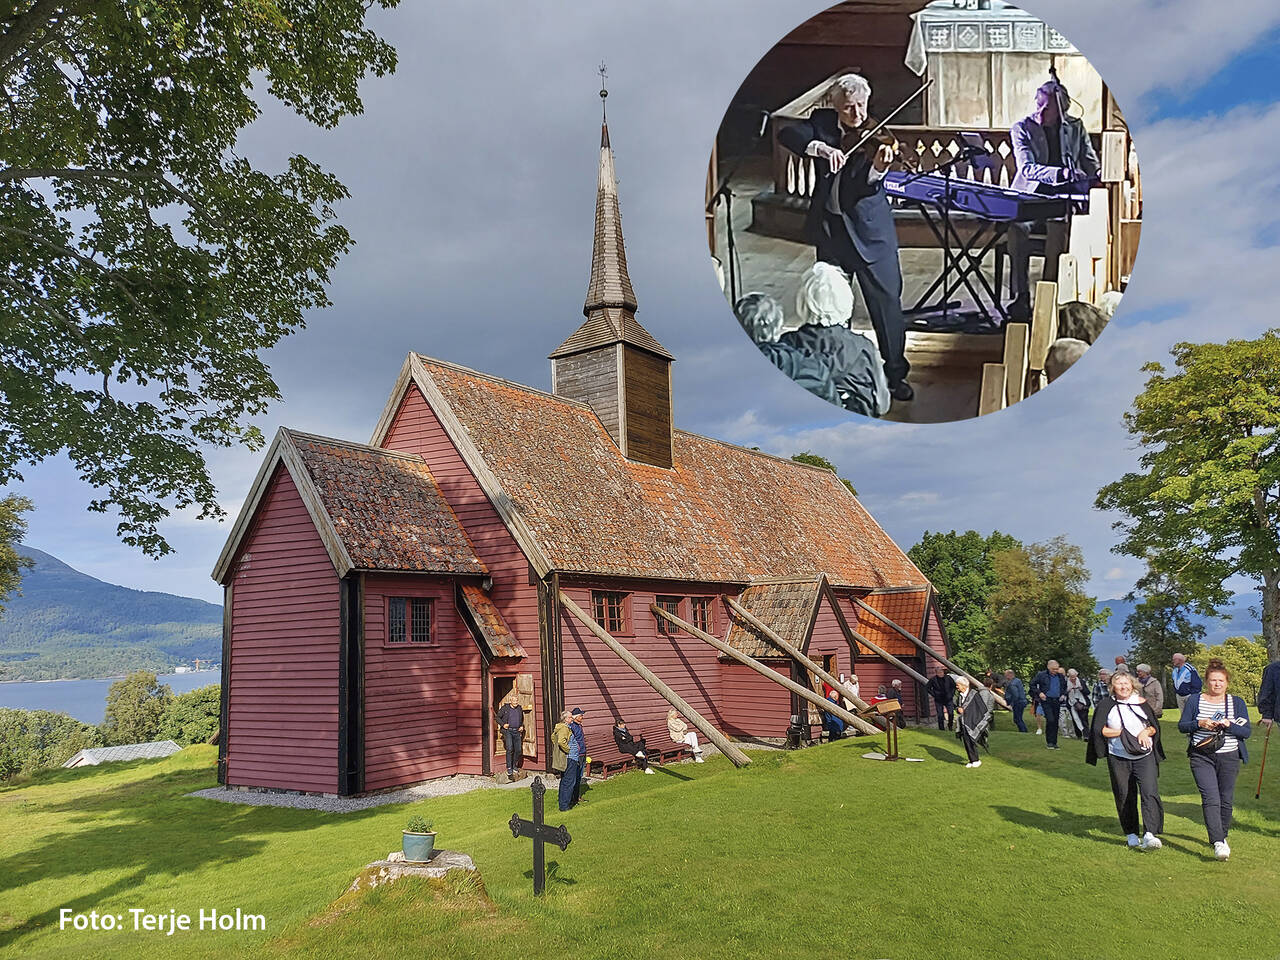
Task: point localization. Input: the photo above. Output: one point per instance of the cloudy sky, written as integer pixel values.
(472, 175)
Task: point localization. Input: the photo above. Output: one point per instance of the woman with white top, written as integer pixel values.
(1218, 724)
(1126, 731)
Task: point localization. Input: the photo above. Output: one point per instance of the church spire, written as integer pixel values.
(609, 292)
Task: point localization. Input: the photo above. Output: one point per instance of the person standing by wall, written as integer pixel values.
(575, 753)
(1218, 724)
(1186, 679)
(1015, 694)
(511, 725)
(943, 691)
(1126, 732)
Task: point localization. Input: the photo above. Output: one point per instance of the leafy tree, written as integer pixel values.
(1161, 626)
(1245, 658)
(1205, 505)
(192, 717)
(816, 460)
(145, 263)
(12, 529)
(1039, 610)
(31, 739)
(135, 707)
(959, 567)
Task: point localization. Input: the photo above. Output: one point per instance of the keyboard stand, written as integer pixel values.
(961, 266)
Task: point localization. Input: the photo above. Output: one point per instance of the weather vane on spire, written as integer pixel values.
(604, 87)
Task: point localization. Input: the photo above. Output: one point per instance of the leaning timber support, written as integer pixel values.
(738, 758)
(797, 688)
(793, 651)
(927, 649)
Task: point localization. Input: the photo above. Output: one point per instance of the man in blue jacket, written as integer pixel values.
(1186, 680)
(1049, 689)
(1015, 694)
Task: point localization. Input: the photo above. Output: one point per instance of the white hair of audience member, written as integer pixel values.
(1064, 352)
(761, 316)
(1109, 301)
(851, 86)
(825, 297)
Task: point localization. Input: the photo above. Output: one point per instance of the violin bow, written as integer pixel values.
(883, 123)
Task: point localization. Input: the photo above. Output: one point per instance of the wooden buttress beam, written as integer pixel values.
(794, 652)
(928, 649)
(735, 755)
(797, 688)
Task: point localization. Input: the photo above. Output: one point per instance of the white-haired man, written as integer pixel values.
(1052, 151)
(824, 303)
(849, 221)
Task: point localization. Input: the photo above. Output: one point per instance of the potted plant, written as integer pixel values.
(419, 840)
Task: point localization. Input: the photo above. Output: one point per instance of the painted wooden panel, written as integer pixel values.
(415, 429)
(648, 407)
(421, 716)
(752, 705)
(591, 377)
(283, 703)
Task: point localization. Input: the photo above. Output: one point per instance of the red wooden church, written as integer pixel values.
(381, 598)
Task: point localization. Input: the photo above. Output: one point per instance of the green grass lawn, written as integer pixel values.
(816, 853)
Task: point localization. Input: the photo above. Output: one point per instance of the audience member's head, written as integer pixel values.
(1144, 670)
(1081, 321)
(761, 316)
(1064, 352)
(1179, 659)
(825, 297)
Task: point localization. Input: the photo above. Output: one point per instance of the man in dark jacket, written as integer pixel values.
(849, 221)
(1049, 689)
(943, 691)
(1015, 694)
(630, 745)
(1269, 693)
(762, 318)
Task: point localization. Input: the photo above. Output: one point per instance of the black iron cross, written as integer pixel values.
(540, 833)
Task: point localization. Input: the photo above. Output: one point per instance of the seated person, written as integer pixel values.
(679, 730)
(630, 745)
(1064, 352)
(824, 304)
(830, 722)
(761, 317)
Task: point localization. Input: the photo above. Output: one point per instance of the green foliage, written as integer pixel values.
(1206, 502)
(12, 529)
(146, 264)
(192, 717)
(960, 569)
(67, 624)
(32, 739)
(1245, 658)
(1039, 610)
(816, 460)
(419, 824)
(136, 706)
(1161, 626)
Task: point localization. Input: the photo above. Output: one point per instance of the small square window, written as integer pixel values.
(701, 614)
(609, 609)
(408, 620)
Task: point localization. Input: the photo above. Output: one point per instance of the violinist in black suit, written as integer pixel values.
(849, 222)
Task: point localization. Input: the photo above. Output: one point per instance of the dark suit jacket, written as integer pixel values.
(1040, 684)
(942, 689)
(1269, 693)
(868, 219)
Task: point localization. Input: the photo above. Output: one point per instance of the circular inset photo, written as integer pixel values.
(924, 211)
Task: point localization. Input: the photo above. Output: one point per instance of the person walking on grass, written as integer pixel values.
(1077, 704)
(1101, 687)
(1015, 694)
(1048, 690)
(1218, 724)
(1186, 679)
(974, 721)
(1152, 690)
(1127, 733)
(678, 729)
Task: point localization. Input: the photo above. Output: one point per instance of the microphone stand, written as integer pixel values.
(723, 190)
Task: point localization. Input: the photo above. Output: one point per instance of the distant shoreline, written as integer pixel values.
(114, 676)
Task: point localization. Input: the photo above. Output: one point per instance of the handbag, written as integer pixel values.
(1217, 739)
(1129, 740)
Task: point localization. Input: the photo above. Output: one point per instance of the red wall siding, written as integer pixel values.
(421, 701)
(283, 709)
(596, 680)
(415, 429)
(752, 705)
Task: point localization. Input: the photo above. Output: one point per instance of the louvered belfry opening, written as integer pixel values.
(611, 362)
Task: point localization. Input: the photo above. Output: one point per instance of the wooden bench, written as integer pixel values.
(606, 768)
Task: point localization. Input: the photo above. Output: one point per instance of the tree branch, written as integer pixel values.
(42, 15)
(85, 173)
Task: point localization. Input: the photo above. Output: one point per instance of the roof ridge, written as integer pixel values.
(504, 381)
(356, 445)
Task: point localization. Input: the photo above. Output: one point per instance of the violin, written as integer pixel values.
(868, 140)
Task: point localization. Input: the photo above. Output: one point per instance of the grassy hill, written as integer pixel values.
(817, 853)
(68, 624)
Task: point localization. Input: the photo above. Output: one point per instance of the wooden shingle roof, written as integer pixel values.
(785, 607)
(906, 608)
(720, 514)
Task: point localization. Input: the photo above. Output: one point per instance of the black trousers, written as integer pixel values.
(1052, 709)
(512, 741)
(970, 746)
(881, 286)
(641, 754)
(1215, 775)
(1132, 780)
(941, 706)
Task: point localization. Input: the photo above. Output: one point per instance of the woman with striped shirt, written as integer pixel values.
(1218, 724)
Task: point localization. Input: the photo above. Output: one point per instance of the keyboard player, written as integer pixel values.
(1052, 151)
